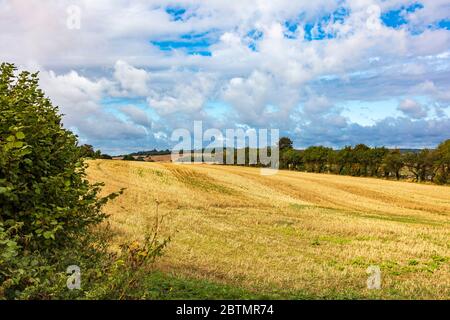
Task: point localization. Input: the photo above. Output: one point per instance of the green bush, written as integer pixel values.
(47, 204)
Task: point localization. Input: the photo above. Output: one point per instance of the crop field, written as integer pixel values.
(292, 235)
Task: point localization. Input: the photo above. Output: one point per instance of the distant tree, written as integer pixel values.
(285, 143)
(430, 157)
(291, 159)
(442, 163)
(376, 156)
(332, 161)
(421, 164)
(344, 160)
(128, 157)
(316, 158)
(362, 157)
(87, 151)
(393, 163)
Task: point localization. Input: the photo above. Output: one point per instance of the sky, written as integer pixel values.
(126, 74)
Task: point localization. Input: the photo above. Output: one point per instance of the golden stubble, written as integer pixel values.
(292, 233)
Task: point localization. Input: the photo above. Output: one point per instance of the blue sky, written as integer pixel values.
(323, 72)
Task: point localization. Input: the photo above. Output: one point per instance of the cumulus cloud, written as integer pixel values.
(187, 93)
(317, 105)
(140, 70)
(249, 95)
(136, 115)
(133, 80)
(77, 96)
(412, 109)
(79, 99)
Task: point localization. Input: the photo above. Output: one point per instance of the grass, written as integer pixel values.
(163, 286)
(293, 235)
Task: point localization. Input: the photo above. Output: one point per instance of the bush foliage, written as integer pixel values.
(48, 207)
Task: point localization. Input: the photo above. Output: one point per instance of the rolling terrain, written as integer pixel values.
(290, 235)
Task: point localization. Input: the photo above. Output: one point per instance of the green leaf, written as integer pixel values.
(24, 152)
(48, 235)
(18, 144)
(20, 135)
(4, 189)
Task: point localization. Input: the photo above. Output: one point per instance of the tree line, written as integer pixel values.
(431, 165)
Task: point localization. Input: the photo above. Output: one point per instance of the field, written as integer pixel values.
(291, 235)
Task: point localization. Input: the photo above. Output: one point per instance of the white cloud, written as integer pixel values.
(76, 95)
(413, 109)
(137, 115)
(79, 99)
(429, 88)
(188, 93)
(134, 81)
(317, 105)
(249, 96)
(264, 79)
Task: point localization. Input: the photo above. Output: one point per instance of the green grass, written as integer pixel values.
(162, 286)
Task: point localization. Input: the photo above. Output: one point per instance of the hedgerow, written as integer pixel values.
(51, 215)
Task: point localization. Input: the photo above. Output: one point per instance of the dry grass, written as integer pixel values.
(295, 234)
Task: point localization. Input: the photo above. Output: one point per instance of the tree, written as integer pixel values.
(361, 153)
(47, 204)
(285, 143)
(316, 158)
(376, 156)
(344, 160)
(291, 159)
(393, 163)
(442, 162)
(105, 156)
(87, 151)
(128, 157)
(421, 164)
(284, 146)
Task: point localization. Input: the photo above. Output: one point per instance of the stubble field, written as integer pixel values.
(291, 235)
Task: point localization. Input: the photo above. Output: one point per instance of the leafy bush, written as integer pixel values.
(42, 176)
(48, 207)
